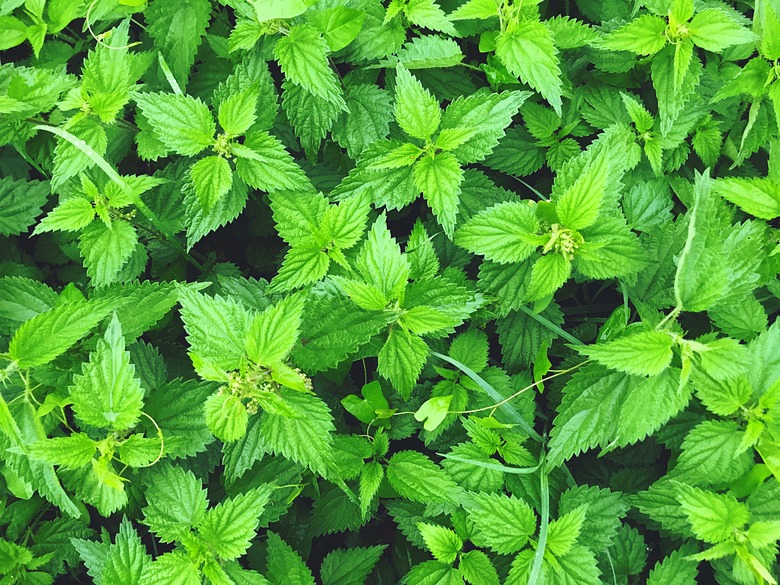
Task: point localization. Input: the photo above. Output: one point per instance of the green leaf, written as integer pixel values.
(402, 156)
(364, 295)
(417, 478)
(311, 116)
(108, 73)
(439, 179)
(297, 214)
(332, 330)
(675, 569)
(367, 120)
(107, 394)
(177, 29)
(424, 320)
(226, 417)
(381, 263)
(722, 398)
(712, 454)
(714, 30)
(713, 517)
(476, 9)
(486, 115)
(263, 163)
(127, 558)
(141, 305)
(302, 265)
(349, 566)
(401, 360)
(182, 123)
(701, 277)
(428, 14)
(212, 179)
(604, 509)
(107, 249)
(343, 225)
(610, 250)
(451, 138)
(433, 572)
(723, 358)
(500, 232)
(229, 527)
(428, 52)
(49, 334)
(20, 204)
(501, 523)
(647, 206)
(72, 214)
(528, 52)
(416, 109)
(770, 35)
(238, 112)
(433, 411)
(371, 478)
(612, 409)
(80, 149)
(548, 274)
(21, 299)
(521, 336)
(647, 353)
(304, 437)
(576, 566)
(285, 567)
(673, 97)
(140, 451)
(578, 206)
(273, 332)
(564, 532)
(272, 9)
(13, 30)
(71, 452)
(124, 560)
(476, 567)
(216, 327)
(250, 77)
(570, 33)
(643, 36)
(172, 567)
(303, 58)
(758, 197)
(176, 501)
(443, 543)
(339, 25)
(471, 349)
(683, 55)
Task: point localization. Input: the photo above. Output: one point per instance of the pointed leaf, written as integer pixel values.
(416, 109)
(643, 354)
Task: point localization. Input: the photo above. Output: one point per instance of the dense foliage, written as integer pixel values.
(428, 292)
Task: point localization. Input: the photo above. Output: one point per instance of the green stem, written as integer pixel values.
(507, 408)
(544, 522)
(671, 316)
(550, 325)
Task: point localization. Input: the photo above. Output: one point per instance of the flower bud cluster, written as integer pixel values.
(563, 241)
(249, 386)
(567, 243)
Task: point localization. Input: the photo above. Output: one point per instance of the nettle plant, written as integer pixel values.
(412, 291)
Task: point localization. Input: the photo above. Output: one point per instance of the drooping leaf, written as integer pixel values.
(182, 123)
(528, 51)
